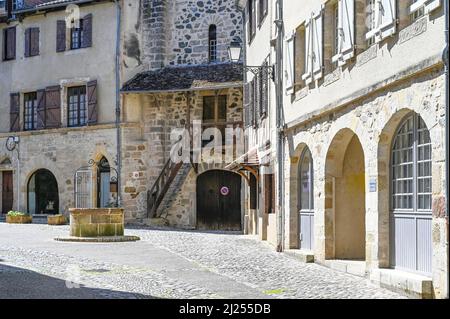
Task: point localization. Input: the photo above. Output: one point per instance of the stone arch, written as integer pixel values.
(344, 178)
(384, 158)
(42, 193)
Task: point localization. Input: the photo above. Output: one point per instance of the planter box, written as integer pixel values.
(56, 220)
(19, 219)
(92, 223)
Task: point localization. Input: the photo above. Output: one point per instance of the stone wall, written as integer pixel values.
(176, 32)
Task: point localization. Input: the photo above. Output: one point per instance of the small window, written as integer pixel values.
(215, 114)
(417, 14)
(212, 43)
(76, 35)
(77, 106)
(30, 111)
(9, 44)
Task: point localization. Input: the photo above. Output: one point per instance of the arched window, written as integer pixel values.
(306, 205)
(306, 181)
(212, 40)
(411, 218)
(411, 166)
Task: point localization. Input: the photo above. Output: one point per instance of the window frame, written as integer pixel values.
(212, 44)
(34, 111)
(415, 167)
(78, 106)
(6, 42)
(80, 34)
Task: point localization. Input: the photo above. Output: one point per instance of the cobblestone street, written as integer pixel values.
(164, 264)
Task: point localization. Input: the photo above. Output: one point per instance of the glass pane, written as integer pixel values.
(306, 188)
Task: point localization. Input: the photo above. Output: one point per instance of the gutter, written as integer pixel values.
(118, 109)
(218, 87)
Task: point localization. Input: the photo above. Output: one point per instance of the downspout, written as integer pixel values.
(279, 121)
(447, 126)
(118, 111)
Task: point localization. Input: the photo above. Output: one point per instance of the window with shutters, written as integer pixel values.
(342, 16)
(76, 35)
(30, 111)
(262, 10)
(77, 106)
(31, 42)
(381, 20)
(371, 21)
(300, 57)
(9, 44)
(314, 47)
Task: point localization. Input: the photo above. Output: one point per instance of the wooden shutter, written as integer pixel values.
(388, 18)
(60, 36)
(264, 90)
(27, 42)
(34, 41)
(253, 28)
(40, 107)
(317, 45)
(257, 96)
(289, 69)
(307, 76)
(14, 113)
(251, 112)
(9, 36)
(87, 31)
(247, 104)
(347, 30)
(92, 102)
(429, 5)
(53, 107)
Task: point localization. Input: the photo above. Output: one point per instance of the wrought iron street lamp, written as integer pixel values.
(235, 53)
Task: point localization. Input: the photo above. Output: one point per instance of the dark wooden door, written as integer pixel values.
(219, 201)
(7, 192)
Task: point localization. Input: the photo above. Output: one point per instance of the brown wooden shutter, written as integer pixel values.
(14, 113)
(264, 90)
(87, 31)
(257, 97)
(92, 102)
(251, 112)
(9, 49)
(246, 102)
(60, 36)
(34, 41)
(40, 97)
(53, 107)
(27, 42)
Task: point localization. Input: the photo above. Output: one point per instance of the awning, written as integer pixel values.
(253, 159)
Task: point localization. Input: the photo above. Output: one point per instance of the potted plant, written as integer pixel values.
(56, 220)
(14, 217)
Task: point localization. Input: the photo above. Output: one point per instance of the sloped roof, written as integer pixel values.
(36, 4)
(187, 77)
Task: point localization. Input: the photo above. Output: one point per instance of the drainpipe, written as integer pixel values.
(447, 125)
(279, 121)
(118, 131)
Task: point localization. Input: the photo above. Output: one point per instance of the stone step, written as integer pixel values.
(305, 256)
(409, 284)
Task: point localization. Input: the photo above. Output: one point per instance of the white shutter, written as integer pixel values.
(307, 76)
(317, 42)
(388, 18)
(429, 5)
(346, 31)
(289, 68)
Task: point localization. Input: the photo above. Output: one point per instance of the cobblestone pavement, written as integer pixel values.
(164, 264)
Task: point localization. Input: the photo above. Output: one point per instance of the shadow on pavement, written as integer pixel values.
(181, 230)
(19, 283)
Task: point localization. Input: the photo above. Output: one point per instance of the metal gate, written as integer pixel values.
(83, 189)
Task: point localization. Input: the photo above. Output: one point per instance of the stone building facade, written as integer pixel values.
(364, 126)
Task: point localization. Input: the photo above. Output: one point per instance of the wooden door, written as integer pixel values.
(7, 192)
(219, 201)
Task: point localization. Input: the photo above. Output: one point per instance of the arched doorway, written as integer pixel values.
(219, 201)
(345, 198)
(103, 184)
(43, 196)
(306, 201)
(411, 194)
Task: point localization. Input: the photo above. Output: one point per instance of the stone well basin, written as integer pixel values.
(98, 222)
